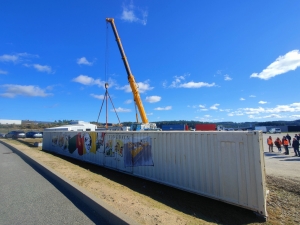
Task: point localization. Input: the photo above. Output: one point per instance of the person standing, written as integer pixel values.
(278, 144)
(285, 143)
(289, 138)
(295, 145)
(270, 143)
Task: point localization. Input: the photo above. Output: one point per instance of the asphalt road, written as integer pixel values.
(277, 163)
(28, 197)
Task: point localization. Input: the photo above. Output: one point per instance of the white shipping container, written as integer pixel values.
(227, 166)
(262, 128)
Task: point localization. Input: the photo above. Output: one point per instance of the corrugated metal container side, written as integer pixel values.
(173, 127)
(227, 166)
(206, 127)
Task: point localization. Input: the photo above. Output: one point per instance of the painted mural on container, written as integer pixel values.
(135, 151)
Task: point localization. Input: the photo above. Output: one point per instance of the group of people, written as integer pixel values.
(286, 141)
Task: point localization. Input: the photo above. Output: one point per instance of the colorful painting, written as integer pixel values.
(61, 140)
(119, 147)
(100, 142)
(109, 151)
(83, 143)
(138, 152)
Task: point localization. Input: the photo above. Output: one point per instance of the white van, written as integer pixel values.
(275, 130)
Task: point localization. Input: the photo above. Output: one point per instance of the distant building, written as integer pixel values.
(74, 126)
(10, 122)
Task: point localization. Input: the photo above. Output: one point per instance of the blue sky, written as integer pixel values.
(208, 61)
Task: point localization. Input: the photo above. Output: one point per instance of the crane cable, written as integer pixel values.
(106, 95)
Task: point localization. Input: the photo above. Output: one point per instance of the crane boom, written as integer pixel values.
(134, 88)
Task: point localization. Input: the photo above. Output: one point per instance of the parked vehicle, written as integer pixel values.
(275, 130)
(2, 135)
(262, 128)
(34, 134)
(15, 134)
(220, 128)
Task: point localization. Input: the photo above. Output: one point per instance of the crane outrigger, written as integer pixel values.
(145, 125)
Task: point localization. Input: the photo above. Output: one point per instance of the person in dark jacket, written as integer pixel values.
(289, 138)
(278, 144)
(295, 145)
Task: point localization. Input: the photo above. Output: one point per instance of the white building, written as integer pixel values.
(74, 126)
(9, 122)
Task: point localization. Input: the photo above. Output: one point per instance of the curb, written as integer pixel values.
(98, 206)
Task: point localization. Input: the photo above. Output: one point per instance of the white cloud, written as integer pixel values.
(193, 84)
(15, 58)
(131, 14)
(149, 114)
(164, 108)
(9, 58)
(295, 116)
(279, 109)
(283, 64)
(275, 116)
(227, 77)
(202, 108)
(214, 107)
(142, 87)
(225, 110)
(253, 110)
(3, 72)
(83, 61)
(12, 91)
(97, 96)
(129, 101)
(177, 80)
(153, 99)
(177, 83)
(242, 99)
(164, 84)
(262, 102)
(86, 80)
(252, 96)
(120, 110)
(41, 68)
(51, 87)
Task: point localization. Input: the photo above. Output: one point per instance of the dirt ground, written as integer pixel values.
(150, 203)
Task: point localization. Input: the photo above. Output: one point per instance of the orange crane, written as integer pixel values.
(136, 95)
